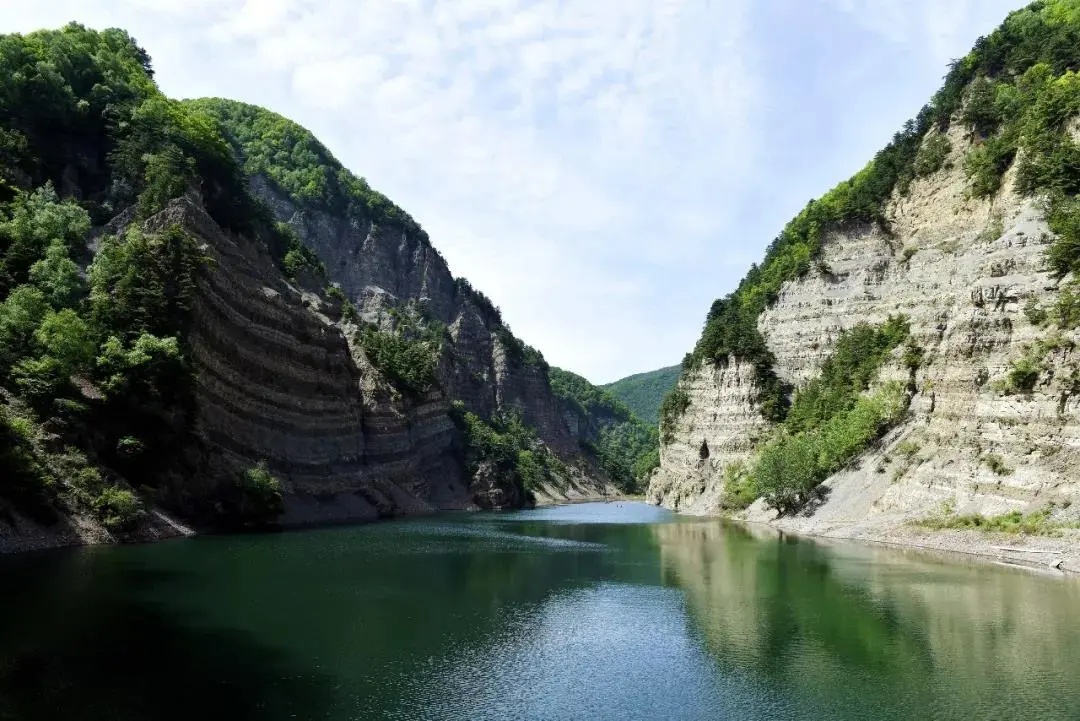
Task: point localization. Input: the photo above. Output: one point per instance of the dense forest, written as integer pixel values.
(95, 372)
(644, 392)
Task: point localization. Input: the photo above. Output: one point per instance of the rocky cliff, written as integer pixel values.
(970, 270)
(202, 311)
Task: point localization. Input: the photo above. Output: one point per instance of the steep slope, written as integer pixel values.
(643, 392)
(167, 343)
(606, 428)
(382, 260)
(965, 230)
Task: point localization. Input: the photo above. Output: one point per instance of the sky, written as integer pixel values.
(601, 169)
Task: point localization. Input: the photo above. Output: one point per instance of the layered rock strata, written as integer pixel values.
(962, 270)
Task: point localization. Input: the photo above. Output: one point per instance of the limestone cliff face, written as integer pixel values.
(719, 428)
(382, 267)
(962, 270)
(277, 381)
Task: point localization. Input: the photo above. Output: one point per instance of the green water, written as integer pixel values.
(598, 611)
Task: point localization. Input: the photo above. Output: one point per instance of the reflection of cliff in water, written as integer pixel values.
(870, 628)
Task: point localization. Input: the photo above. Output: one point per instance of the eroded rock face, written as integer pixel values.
(962, 271)
(278, 382)
(383, 266)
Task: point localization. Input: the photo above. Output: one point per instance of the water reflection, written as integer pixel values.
(859, 632)
(531, 616)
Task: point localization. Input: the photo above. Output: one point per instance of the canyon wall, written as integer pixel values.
(963, 271)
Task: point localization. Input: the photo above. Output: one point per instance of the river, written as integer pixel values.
(592, 611)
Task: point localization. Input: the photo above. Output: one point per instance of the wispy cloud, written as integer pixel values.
(602, 169)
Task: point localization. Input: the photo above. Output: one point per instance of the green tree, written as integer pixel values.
(20, 315)
(36, 221)
(58, 277)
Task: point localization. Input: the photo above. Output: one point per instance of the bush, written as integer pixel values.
(119, 509)
(407, 357)
(932, 155)
(792, 466)
(673, 406)
(1035, 313)
(261, 500)
(997, 464)
(1023, 375)
(509, 446)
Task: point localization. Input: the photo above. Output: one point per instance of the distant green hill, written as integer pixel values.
(626, 448)
(644, 392)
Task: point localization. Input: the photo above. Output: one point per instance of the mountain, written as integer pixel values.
(205, 317)
(606, 428)
(643, 392)
(904, 352)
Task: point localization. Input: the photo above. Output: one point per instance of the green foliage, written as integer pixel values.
(1036, 314)
(518, 353)
(981, 110)
(21, 477)
(120, 510)
(20, 315)
(585, 398)
(145, 283)
(791, 466)
(626, 448)
(855, 361)
(832, 420)
(260, 498)
(292, 159)
(510, 447)
(1067, 307)
(643, 393)
(407, 356)
(1037, 523)
(298, 257)
(672, 407)
(58, 277)
(36, 222)
(932, 155)
(997, 464)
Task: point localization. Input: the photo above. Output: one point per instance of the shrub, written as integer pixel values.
(1036, 314)
(997, 464)
(673, 406)
(510, 447)
(1023, 375)
(408, 361)
(932, 155)
(261, 500)
(791, 466)
(1037, 523)
(119, 509)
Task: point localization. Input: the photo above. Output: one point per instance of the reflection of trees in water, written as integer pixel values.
(880, 629)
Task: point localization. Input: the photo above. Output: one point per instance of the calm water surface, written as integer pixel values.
(596, 611)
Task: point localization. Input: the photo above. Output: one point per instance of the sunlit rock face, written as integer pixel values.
(962, 271)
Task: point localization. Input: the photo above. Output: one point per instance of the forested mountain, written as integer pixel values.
(627, 448)
(201, 310)
(908, 338)
(644, 392)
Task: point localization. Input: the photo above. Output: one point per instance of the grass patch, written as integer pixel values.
(1037, 523)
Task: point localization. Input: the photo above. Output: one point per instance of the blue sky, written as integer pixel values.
(602, 169)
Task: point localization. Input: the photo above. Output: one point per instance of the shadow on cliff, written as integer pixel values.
(818, 498)
(98, 657)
